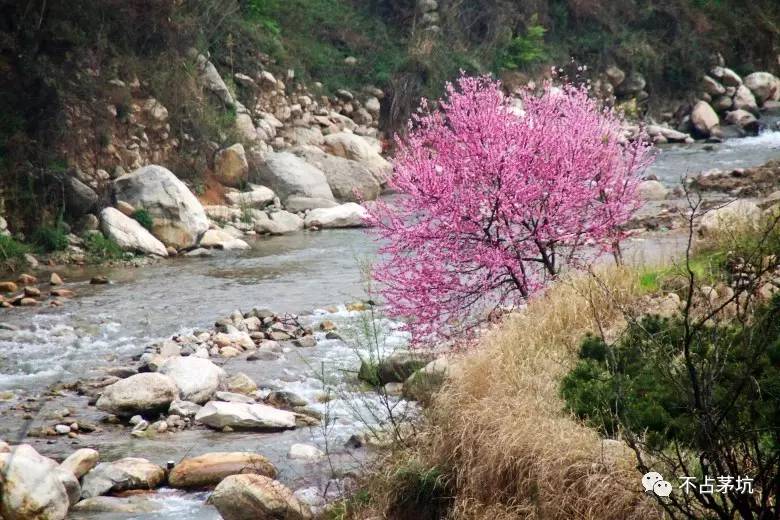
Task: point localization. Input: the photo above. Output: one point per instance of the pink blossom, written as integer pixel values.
(493, 203)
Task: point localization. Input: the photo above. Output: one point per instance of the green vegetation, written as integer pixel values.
(525, 49)
(144, 218)
(12, 254)
(102, 249)
(50, 238)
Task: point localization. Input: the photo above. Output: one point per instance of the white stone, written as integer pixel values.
(305, 452)
(287, 174)
(218, 414)
(219, 239)
(129, 234)
(139, 393)
(197, 379)
(344, 215)
(31, 490)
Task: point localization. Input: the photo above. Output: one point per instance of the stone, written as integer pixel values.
(287, 174)
(230, 397)
(736, 215)
(129, 234)
(80, 462)
(32, 292)
(257, 197)
(350, 181)
(178, 217)
(396, 368)
(704, 118)
(121, 475)
(722, 103)
(305, 342)
(31, 489)
(632, 85)
(80, 199)
(196, 378)
(28, 302)
(304, 136)
(131, 505)
(764, 86)
(744, 120)
(285, 399)
(276, 223)
(652, 190)
(212, 81)
(210, 469)
(8, 287)
(712, 87)
(360, 149)
(99, 280)
(745, 100)
(728, 77)
(231, 167)
(184, 408)
(255, 497)
(141, 393)
(298, 204)
(305, 452)
(241, 383)
(219, 239)
(125, 208)
(27, 279)
(615, 75)
(55, 279)
(217, 415)
(344, 215)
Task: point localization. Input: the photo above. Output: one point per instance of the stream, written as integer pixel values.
(304, 273)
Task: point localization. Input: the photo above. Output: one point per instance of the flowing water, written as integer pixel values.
(106, 325)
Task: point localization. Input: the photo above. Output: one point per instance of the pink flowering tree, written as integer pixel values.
(494, 200)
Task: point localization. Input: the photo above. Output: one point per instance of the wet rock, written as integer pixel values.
(305, 342)
(178, 218)
(241, 384)
(28, 302)
(184, 408)
(231, 397)
(99, 280)
(32, 292)
(350, 181)
(80, 462)
(652, 190)
(745, 100)
(257, 197)
(196, 378)
(287, 174)
(210, 469)
(254, 497)
(765, 86)
(396, 368)
(27, 279)
(142, 393)
(704, 118)
(712, 87)
(744, 120)
(305, 452)
(31, 489)
(219, 239)
(8, 287)
(129, 234)
(284, 399)
(217, 415)
(298, 204)
(55, 279)
(121, 475)
(263, 355)
(132, 505)
(345, 215)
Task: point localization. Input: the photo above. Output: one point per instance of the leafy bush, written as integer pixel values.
(12, 254)
(144, 218)
(51, 238)
(102, 249)
(524, 49)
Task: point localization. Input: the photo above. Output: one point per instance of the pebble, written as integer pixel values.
(99, 280)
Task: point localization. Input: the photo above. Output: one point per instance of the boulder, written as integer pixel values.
(218, 414)
(765, 86)
(704, 118)
(255, 497)
(211, 80)
(196, 378)
(132, 505)
(219, 239)
(712, 87)
(615, 75)
(178, 217)
(344, 215)
(129, 234)
(121, 475)
(357, 148)
(210, 469)
(305, 452)
(350, 181)
(184, 408)
(733, 218)
(745, 100)
(728, 77)
(298, 204)
(632, 85)
(241, 383)
(722, 103)
(257, 197)
(30, 489)
(80, 462)
(744, 119)
(393, 369)
(148, 392)
(80, 199)
(287, 174)
(231, 167)
(304, 135)
(276, 223)
(652, 190)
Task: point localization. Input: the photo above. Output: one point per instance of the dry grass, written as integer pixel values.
(499, 431)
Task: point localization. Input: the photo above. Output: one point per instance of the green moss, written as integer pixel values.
(144, 218)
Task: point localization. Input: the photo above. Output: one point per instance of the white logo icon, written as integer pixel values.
(662, 488)
(654, 481)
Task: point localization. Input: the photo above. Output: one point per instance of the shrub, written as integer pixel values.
(12, 254)
(144, 218)
(102, 249)
(493, 199)
(525, 49)
(50, 238)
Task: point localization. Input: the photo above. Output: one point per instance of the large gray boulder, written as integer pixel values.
(218, 414)
(80, 199)
(734, 218)
(765, 86)
(745, 100)
(129, 234)
(80, 462)
(198, 379)
(211, 468)
(121, 475)
(362, 150)
(704, 119)
(287, 175)
(255, 497)
(212, 81)
(231, 167)
(147, 392)
(276, 223)
(346, 215)
(350, 181)
(30, 489)
(178, 217)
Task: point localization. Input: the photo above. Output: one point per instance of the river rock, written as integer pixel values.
(129, 234)
(80, 462)
(232, 397)
(241, 383)
(631, 86)
(257, 197)
(121, 475)
(141, 393)
(210, 469)
(8, 287)
(244, 416)
(736, 215)
(178, 218)
(255, 497)
(184, 408)
(357, 148)
(132, 505)
(396, 368)
(728, 77)
(744, 120)
(350, 181)
(196, 378)
(305, 452)
(704, 118)
(287, 174)
(722, 103)
(344, 215)
(276, 223)
(231, 167)
(765, 86)
(219, 239)
(712, 87)
(298, 204)
(652, 190)
(745, 100)
(30, 489)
